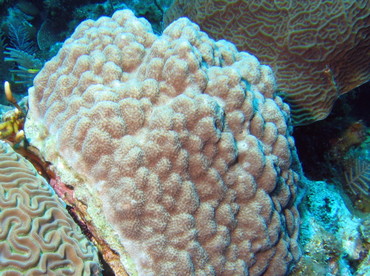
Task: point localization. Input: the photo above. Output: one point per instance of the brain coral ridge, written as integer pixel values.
(179, 145)
(37, 235)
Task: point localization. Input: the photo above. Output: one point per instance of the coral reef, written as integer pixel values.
(356, 178)
(353, 136)
(37, 235)
(31, 32)
(20, 53)
(26, 66)
(175, 144)
(334, 241)
(318, 49)
(338, 147)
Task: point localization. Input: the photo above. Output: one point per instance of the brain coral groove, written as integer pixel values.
(176, 143)
(37, 235)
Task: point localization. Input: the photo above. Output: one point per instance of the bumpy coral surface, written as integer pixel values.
(176, 143)
(318, 49)
(37, 235)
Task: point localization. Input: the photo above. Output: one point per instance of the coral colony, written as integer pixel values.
(38, 237)
(318, 49)
(174, 141)
(167, 152)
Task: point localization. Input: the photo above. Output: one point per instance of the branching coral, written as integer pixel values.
(12, 126)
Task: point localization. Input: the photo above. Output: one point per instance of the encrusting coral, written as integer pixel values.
(37, 235)
(175, 144)
(317, 49)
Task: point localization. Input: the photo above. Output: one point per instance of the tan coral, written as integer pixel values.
(176, 145)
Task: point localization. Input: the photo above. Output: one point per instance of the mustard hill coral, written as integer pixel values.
(176, 145)
(12, 125)
(13, 121)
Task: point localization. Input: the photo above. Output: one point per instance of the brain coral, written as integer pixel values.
(177, 145)
(37, 235)
(317, 49)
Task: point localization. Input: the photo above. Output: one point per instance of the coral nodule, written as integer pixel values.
(176, 144)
